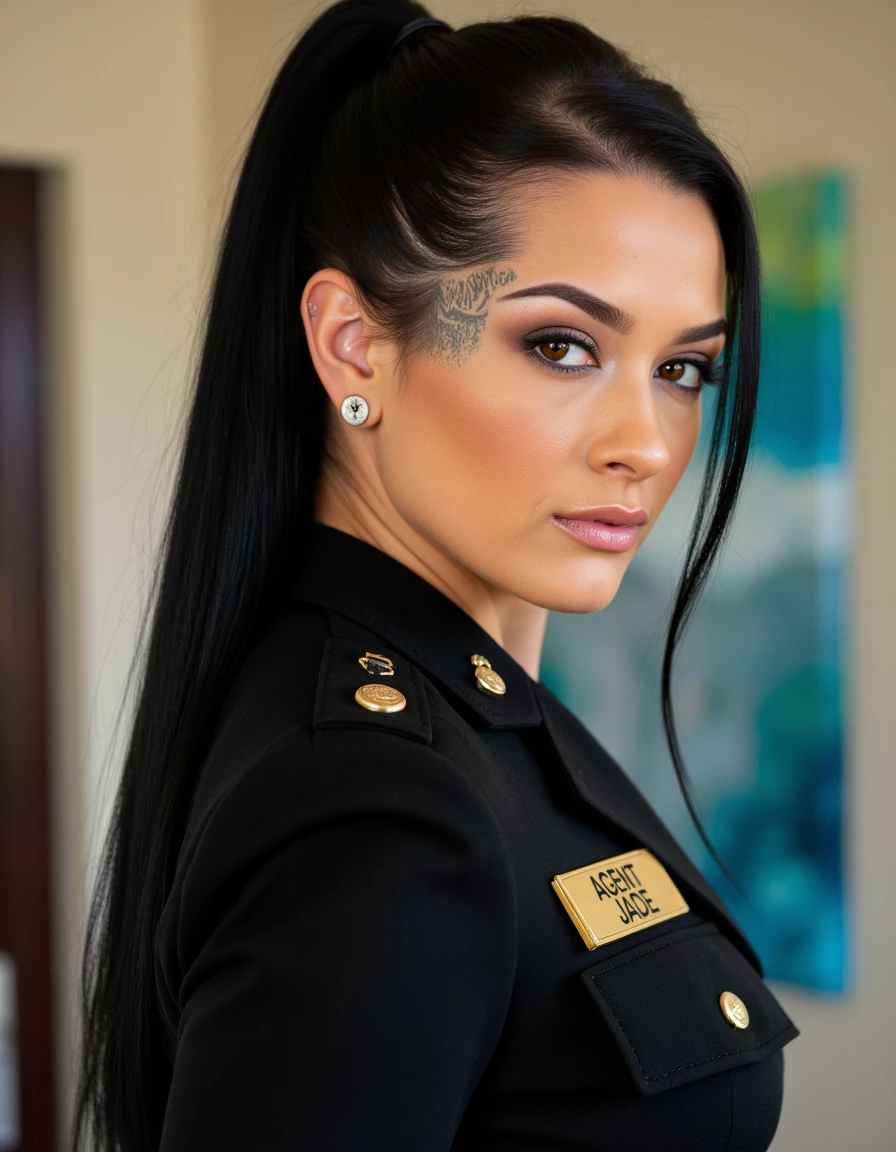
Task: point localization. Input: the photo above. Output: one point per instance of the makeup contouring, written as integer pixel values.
(609, 314)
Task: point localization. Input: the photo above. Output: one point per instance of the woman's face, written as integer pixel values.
(534, 445)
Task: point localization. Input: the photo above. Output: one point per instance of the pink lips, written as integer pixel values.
(612, 527)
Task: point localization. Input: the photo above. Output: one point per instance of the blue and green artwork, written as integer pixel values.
(759, 680)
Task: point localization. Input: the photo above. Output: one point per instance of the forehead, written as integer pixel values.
(627, 240)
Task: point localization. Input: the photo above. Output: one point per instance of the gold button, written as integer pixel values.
(377, 697)
(734, 1010)
(487, 679)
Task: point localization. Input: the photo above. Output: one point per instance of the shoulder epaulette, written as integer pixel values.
(362, 686)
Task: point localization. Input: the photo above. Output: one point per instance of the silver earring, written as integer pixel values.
(355, 409)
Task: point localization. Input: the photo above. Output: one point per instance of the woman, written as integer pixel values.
(369, 885)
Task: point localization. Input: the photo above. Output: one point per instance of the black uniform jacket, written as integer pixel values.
(363, 949)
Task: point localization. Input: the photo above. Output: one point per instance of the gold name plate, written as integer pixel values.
(616, 897)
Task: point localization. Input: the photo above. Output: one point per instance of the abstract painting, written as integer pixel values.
(760, 677)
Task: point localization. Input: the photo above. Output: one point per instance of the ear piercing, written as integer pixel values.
(355, 409)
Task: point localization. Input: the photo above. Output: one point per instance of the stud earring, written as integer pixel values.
(355, 409)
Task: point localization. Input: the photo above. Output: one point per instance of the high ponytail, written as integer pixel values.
(393, 167)
(244, 490)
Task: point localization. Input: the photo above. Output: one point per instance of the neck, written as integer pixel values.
(517, 625)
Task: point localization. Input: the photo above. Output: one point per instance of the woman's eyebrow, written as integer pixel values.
(616, 318)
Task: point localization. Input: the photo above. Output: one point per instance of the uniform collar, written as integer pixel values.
(354, 579)
(384, 599)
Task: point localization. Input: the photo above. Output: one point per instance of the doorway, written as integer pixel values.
(26, 1013)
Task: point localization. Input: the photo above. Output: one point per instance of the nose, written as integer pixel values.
(628, 437)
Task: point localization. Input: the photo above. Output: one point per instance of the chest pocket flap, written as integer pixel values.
(670, 1006)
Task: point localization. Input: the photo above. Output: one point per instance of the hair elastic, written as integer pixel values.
(417, 26)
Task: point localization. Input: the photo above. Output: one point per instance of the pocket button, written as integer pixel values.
(734, 1010)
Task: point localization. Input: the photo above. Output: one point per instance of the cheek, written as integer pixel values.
(681, 428)
(469, 445)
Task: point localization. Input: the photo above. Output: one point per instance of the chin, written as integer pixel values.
(579, 596)
(581, 604)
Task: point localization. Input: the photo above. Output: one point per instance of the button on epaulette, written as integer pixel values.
(380, 698)
(353, 692)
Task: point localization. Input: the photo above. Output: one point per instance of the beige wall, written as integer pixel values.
(142, 110)
(110, 97)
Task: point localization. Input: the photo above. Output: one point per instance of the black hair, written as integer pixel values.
(394, 168)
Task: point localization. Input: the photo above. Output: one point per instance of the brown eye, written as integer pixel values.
(675, 372)
(676, 367)
(553, 349)
(561, 352)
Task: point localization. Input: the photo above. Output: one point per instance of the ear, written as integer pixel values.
(339, 338)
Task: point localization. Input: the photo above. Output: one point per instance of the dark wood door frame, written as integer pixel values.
(25, 930)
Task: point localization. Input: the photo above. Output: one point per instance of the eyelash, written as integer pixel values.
(709, 373)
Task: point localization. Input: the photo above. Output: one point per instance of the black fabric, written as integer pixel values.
(377, 593)
(661, 1002)
(335, 704)
(362, 948)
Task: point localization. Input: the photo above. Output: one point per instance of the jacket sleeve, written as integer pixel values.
(346, 940)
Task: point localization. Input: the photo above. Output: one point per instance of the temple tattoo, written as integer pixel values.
(462, 309)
